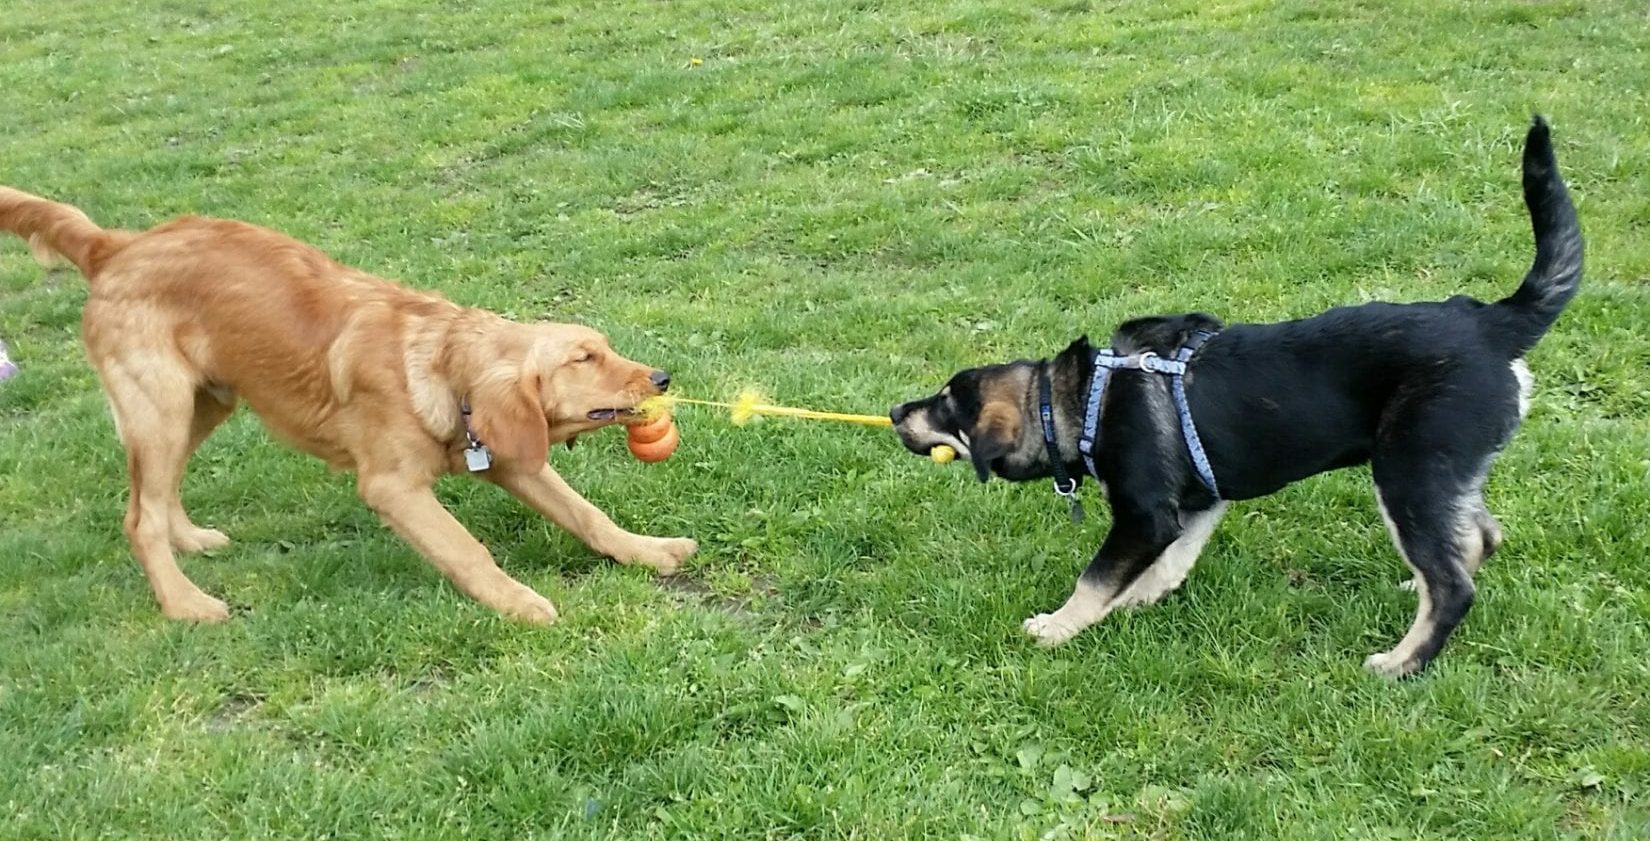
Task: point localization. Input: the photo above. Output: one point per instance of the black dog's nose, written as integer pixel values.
(660, 379)
(898, 413)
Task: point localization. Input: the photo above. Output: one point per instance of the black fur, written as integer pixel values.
(1425, 392)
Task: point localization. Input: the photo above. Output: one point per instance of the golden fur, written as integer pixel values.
(188, 317)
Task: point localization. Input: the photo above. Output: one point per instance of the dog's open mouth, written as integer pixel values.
(609, 414)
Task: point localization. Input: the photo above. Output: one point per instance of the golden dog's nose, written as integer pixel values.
(660, 380)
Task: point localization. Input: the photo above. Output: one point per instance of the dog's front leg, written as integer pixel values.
(1136, 540)
(547, 493)
(412, 511)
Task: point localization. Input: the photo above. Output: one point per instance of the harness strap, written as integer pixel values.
(1107, 361)
(1177, 389)
(1090, 436)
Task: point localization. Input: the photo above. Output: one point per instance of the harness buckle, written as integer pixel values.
(1150, 361)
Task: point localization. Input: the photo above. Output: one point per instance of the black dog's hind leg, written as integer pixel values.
(1488, 536)
(1426, 529)
(1136, 540)
(1480, 535)
(1433, 450)
(1429, 489)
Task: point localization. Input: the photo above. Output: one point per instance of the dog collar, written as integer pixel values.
(476, 456)
(1106, 361)
(1065, 484)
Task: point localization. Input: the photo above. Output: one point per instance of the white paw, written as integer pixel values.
(1390, 664)
(1049, 630)
(663, 554)
(1410, 585)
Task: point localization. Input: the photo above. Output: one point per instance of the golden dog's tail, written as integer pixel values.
(52, 228)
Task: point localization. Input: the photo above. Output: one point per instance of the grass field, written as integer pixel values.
(841, 202)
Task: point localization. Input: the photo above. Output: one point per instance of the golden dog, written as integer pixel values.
(188, 317)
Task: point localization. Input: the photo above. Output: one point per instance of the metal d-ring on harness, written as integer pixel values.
(1105, 362)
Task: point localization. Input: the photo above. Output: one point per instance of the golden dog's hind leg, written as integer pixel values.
(210, 411)
(411, 510)
(547, 493)
(152, 398)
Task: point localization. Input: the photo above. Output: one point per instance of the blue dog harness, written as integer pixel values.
(1105, 362)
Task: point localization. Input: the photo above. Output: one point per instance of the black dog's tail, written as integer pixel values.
(1522, 318)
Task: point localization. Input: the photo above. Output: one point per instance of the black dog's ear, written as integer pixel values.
(1163, 334)
(1078, 350)
(996, 431)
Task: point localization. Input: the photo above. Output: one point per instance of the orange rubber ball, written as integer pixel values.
(653, 430)
(653, 442)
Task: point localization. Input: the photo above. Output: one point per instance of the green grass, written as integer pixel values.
(843, 203)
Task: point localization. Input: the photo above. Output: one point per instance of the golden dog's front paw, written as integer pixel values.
(195, 607)
(663, 555)
(196, 539)
(528, 606)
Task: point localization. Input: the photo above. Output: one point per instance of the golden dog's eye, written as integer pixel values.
(587, 356)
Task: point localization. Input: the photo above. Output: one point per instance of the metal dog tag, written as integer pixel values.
(478, 458)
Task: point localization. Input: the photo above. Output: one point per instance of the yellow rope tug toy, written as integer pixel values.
(750, 403)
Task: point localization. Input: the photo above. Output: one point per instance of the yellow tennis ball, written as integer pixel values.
(942, 454)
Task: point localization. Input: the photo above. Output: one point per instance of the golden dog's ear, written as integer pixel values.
(996, 433)
(509, 419)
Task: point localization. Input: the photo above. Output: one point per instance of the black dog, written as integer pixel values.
(1428, 393)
